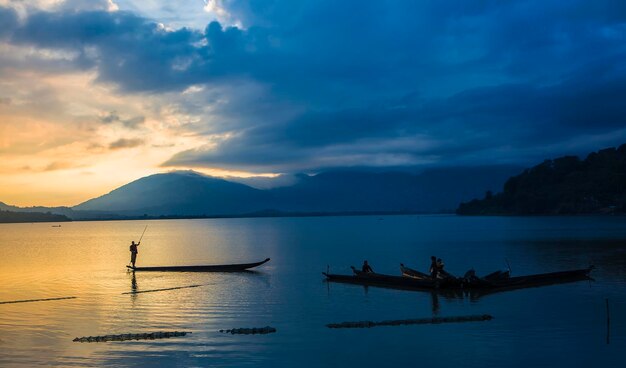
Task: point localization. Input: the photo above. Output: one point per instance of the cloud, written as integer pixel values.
(134, 123)
(60, 165)
(123, 143)
(412, 131)
(310, 85)
(113, 117)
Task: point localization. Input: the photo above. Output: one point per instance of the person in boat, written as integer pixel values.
(366, 267)
(133, 252)
(440, 265)
(434, 269)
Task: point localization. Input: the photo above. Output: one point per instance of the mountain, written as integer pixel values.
(192, 194)
(566, 185)
(435, 190)
(187, 193)
(178, 193)
(65, 211)
(13, 217)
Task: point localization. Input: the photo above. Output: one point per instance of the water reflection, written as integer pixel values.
(39, 261)
(133, 282)
(435, 302)
(133, 286)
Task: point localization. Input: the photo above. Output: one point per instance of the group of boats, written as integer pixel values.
(410, 279)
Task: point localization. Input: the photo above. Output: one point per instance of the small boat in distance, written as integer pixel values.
(206, 268)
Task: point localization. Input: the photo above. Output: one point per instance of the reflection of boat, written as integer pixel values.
(206, 268)
(56, 225)
(495, 283)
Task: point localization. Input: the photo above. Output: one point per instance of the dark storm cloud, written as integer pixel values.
(522, 116)
(398, 82)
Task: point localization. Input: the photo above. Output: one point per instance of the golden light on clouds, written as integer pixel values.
(64, 138)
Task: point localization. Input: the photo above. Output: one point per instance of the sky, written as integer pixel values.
(97, 93)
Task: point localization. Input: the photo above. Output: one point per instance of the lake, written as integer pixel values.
(560, 325)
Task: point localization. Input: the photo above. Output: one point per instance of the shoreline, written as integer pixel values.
(251, 215)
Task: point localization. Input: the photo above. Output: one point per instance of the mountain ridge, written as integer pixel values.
(190, 194)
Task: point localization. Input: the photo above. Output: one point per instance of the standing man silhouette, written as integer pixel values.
(434, 268)
(133, 252)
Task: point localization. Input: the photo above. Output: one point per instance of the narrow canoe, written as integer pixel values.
(381, 280)
(537, 279)
(206, 268)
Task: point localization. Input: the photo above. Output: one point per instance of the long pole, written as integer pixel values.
(144, 231)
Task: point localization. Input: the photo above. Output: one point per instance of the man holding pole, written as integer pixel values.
(133, 248)
(133, 252)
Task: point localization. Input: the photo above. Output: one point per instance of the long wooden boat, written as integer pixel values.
(475, 283)
(206, 268)
(533, 280)
(415, 274)
(380, 280)
(411, 273)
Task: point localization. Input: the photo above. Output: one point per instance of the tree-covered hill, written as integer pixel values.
(10, 216)
(563, 186)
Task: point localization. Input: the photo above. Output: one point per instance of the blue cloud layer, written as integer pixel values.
(402, 82)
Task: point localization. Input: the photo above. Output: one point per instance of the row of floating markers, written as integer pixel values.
(37, 300)
(268, 329)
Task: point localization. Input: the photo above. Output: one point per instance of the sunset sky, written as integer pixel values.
(97, 93)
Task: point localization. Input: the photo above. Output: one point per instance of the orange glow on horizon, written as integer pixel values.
(65, 139)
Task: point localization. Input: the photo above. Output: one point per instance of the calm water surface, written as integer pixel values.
(561, 325)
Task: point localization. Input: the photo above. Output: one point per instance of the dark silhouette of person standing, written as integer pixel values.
(440, 266)
(366, 268)
(434, 268)
(133, 252)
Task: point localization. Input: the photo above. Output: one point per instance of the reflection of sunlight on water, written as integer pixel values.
(88, 259)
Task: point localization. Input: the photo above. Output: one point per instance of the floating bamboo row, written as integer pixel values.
(419, 321)
(250, 331)
(126, 337)
(37, 300)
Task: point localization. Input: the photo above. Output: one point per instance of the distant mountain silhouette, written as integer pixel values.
(11, 216)
(566, 185)
(66, 211)
(190, 194)
(178, 193)
(436, 190)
